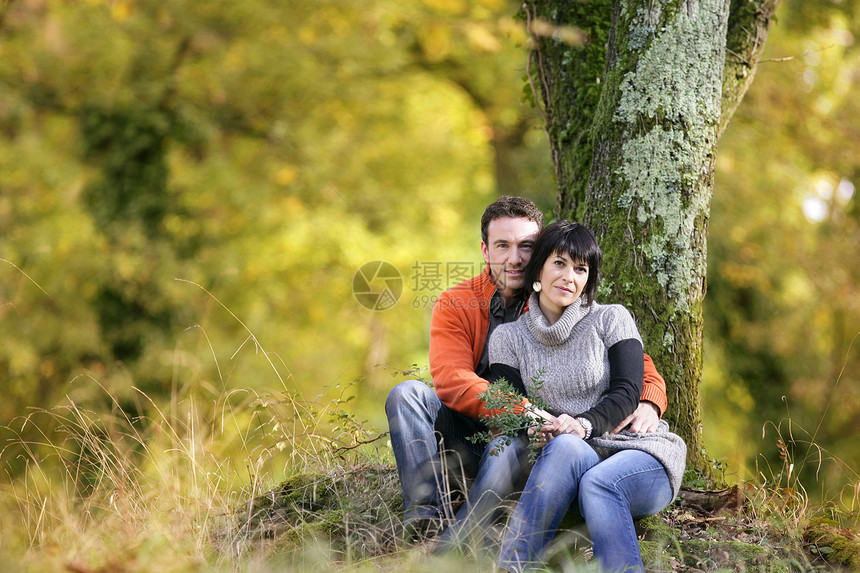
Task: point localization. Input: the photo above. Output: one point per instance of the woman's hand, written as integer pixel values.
(565, 424)
(546, 419)
(554, 426)
(543, 436)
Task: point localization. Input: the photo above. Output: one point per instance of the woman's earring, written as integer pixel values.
(536, 286)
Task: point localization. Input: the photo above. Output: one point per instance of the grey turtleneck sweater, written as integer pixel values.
(590, 362)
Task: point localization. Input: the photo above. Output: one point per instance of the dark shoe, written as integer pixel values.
(422, 528)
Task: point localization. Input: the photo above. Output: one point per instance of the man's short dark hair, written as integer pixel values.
(513, 207)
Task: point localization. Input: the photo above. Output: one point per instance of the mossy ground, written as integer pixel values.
(355, 511)
(833, 543)
(678, 540)
(356, 514)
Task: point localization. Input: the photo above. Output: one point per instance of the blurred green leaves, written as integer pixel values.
(782, 307)
(260, 151)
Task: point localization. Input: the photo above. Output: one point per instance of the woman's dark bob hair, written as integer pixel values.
(575, 240)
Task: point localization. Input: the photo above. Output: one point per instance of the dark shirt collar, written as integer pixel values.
(503, 314)
(499, 314)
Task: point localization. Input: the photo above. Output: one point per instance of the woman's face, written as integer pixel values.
(562, 281)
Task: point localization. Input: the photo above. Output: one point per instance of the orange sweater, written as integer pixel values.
(458, 332)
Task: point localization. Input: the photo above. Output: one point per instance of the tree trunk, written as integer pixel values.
(633, 116)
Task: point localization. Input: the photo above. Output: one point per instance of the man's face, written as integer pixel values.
(508, 250)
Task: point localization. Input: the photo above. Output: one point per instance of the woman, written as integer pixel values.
(589, 358)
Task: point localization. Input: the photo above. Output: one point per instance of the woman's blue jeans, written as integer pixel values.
(610, 493)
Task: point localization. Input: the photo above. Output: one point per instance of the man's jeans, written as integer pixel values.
(418, 421)
(611, 493)
(504, 465)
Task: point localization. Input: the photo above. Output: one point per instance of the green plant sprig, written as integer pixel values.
(509, 419)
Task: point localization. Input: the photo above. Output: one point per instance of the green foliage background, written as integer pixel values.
(187, 186)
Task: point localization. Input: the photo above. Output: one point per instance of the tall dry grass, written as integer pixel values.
(179, 487)
(169, 484)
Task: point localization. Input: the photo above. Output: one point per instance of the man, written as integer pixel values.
(463, 319)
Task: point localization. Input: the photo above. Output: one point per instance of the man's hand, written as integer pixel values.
(644, 419)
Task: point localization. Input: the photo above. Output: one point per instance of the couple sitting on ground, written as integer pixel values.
(532, 313)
